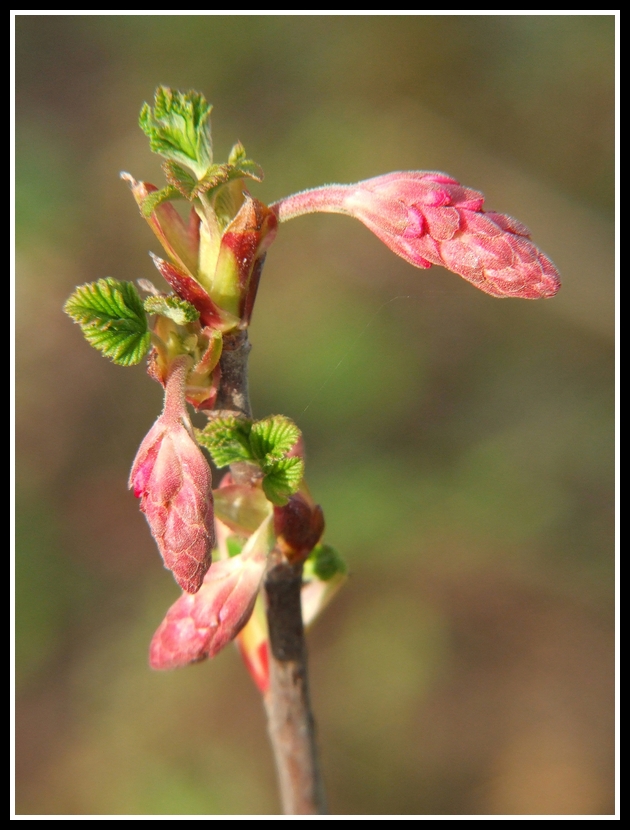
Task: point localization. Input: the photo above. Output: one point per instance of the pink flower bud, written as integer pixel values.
(430, 219)
(172, 478)
(200, 625)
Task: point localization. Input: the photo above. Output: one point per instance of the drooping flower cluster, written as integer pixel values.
(431, 219)
(213, 267)
(172, 479)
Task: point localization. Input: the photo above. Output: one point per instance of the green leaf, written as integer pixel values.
(178, 128)
(112, 319)
(233, 438)
(189, 186)
(273, 437)
(324, 562)
(227, 439)
(282, 479)
(166, 194)
(180, 179)
(178, 310)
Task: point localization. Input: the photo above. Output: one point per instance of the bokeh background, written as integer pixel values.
(461, 446)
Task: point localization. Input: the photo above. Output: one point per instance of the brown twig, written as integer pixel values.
(290, 720)
(234, 389)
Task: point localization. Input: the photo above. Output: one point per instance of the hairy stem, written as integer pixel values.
(290, 720)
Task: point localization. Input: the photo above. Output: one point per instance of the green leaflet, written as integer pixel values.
(178, 127)
(282, 479)
(180, 179)
(186, 185)
(227, 440)
(273, 437)
(112, 319)
(237, 154)
(249, 169)
(266, 443)
(246, 167)
(235, 545)
(178, 310)
(166, 194)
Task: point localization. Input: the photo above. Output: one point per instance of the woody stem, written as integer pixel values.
(290, 720)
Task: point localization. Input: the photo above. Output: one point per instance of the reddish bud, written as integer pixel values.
(430, 219)
(241, 257)
(172, 478)
(190, 290)
(200, 625)
(299, 526)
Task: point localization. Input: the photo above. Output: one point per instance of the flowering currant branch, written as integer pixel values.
(271, 574)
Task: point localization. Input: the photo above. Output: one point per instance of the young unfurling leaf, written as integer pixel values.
(267, 443)
(178, 310)
(282, 479)
(227, 440)
(112, 319)
(157, 197)
(239, 161)
(273, 437)
(178, 127)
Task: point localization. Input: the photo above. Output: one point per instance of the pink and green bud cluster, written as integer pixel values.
(172, 479)
(249, 527)
(217, 254)
(431, 219)
(213, 265)
(216, 272)
(215, 269)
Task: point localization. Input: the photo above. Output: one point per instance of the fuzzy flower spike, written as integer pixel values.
(172, 479)
(431, 219)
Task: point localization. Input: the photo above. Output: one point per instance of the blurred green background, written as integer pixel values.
(461, 446)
